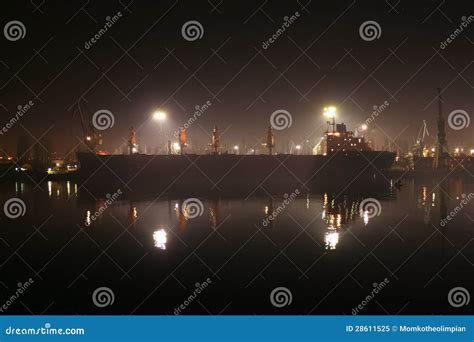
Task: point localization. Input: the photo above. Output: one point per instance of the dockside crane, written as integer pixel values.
(420, 140)
(92, 138)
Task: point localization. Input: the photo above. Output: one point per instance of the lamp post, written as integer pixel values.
(330, 113)
(160, 116)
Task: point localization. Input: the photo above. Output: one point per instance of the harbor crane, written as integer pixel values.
(421, 139)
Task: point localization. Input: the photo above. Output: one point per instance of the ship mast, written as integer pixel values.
(270, 140)
(215, 140)
(132, 141)
(182, 139)
(441, 156)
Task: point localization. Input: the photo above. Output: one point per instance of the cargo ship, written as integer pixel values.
(348, 161)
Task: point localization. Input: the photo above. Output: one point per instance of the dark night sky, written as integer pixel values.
(143, 63)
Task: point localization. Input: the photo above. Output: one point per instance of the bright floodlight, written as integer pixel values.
(330, 112)
(236, 147)
(364, 127)
(176, 146)
(298, 147)
(159, 115)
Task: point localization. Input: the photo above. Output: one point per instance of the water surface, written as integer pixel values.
(153, 254)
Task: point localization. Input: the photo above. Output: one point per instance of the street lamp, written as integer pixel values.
(330, 113)
(236, 148)
(298, 148)
(159, 115)
(176, 147)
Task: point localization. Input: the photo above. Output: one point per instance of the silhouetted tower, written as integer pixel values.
(270, 140)
(442, 155)
(215, 140)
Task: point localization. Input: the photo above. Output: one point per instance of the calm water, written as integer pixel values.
(153, 255)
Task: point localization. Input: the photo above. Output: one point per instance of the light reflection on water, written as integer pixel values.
(336, 214)
(325, 235)
(160, 238)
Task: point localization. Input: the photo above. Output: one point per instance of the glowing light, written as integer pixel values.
(472, 151)
(160, 239)
(176, 146)
(366, 217)
(331, 239)
(330, 112)
(88, 138)
(364, 127)
(298, 147)
(236, 147)
(88, 218)
(159, 115)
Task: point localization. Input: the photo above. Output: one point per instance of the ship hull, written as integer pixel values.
(228, 173)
